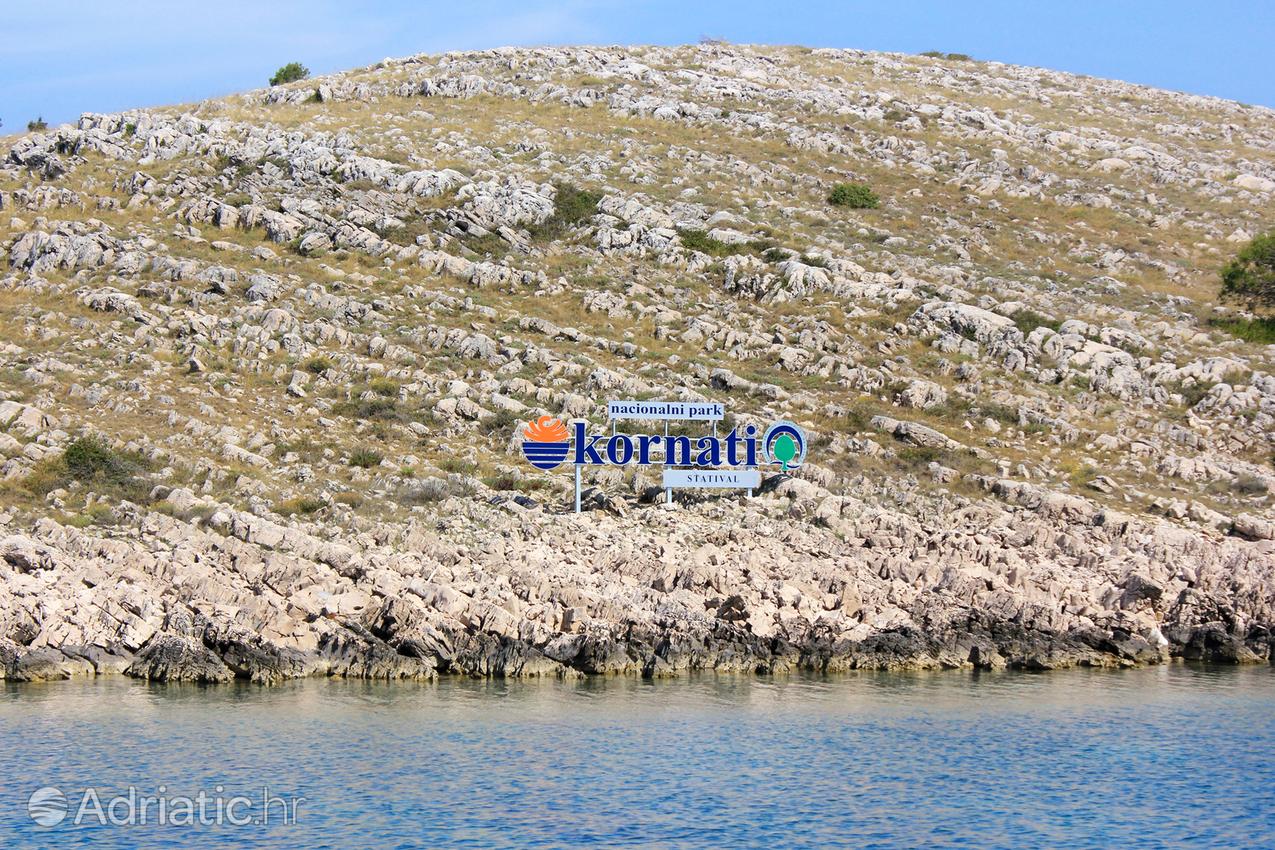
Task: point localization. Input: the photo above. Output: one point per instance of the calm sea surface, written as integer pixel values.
(1162, 758)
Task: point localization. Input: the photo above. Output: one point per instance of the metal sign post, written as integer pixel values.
(668, 491)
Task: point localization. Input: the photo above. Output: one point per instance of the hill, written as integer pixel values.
(266, 360)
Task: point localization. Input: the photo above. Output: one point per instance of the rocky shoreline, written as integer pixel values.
(493, 590)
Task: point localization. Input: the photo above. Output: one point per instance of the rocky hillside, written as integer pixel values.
(263, 362)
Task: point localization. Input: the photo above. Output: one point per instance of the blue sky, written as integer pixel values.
(59, 58)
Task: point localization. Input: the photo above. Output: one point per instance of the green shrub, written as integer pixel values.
(102, 514)
(1192, 394)
(386, 387)
(289, 73)
(90, 461)
(571, 207)
(1028, 320)
(855, 196)
(300, 505)
(499, 422)
(306, 449)
(452, 463)
(1000, 412)
(1250, 277)
(431, 490)
(384, 409)
(99, 515)
(1195, 393)
(503, 481)
(318, 365)
(89, 457)
(573, 204)
(37, 125)
(858, 417)
(489, 244)
(920, 457)
(366, 458)
(412, 227)
(1260, 330)
(699, 240)
(1080, 474)
(349, 498)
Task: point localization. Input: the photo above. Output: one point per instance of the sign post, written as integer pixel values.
(668, 491)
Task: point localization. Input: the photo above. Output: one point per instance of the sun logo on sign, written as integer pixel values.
(545, 442)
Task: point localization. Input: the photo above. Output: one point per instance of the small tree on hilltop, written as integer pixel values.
(289, 73)
(1250, 277)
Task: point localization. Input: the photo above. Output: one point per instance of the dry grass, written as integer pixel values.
(246, 394)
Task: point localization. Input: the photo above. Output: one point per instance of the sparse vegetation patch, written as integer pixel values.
(854, 196)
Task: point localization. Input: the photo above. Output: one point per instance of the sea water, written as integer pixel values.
(1167, 757)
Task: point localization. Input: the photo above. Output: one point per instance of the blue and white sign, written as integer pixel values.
(729, 462)
(722, 479)
(697, 411)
